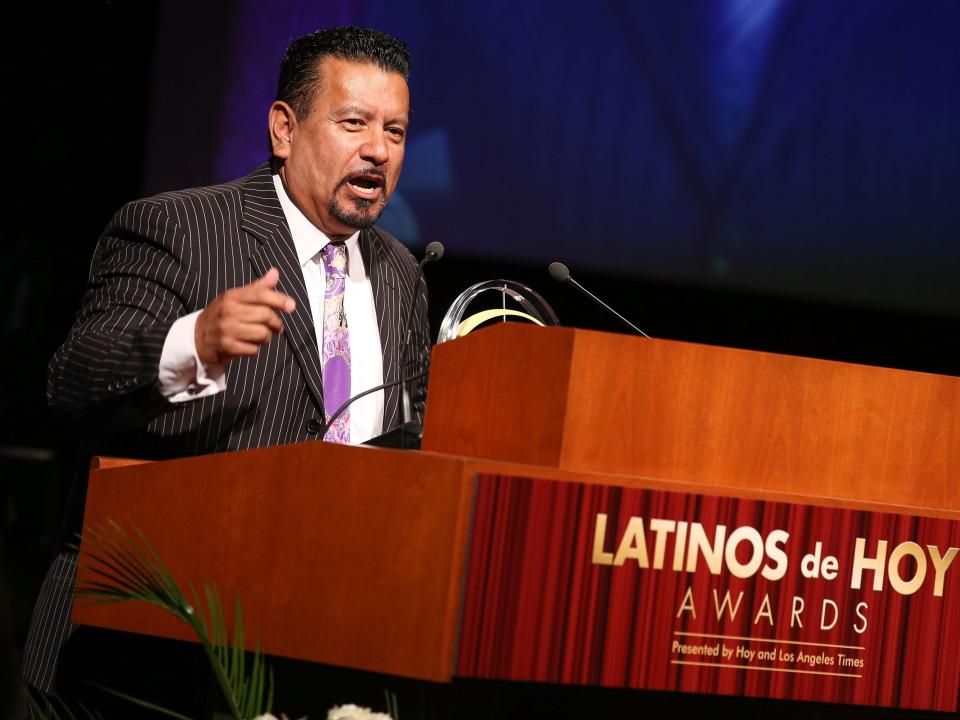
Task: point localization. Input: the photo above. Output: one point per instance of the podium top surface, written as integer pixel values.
(588, 401)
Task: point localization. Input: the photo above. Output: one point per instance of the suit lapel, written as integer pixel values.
(386, 284)
(263, 218)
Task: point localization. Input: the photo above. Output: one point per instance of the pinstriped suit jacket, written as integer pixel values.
(166, 256)
(159, 259)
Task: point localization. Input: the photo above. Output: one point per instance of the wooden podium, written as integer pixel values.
(604, 403)
(379, 567)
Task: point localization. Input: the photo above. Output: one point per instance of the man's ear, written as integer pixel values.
(281, 124)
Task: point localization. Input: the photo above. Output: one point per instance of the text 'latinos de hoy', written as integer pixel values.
(745, 551)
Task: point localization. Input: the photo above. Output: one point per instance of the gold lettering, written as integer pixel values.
(907, 587)
(861, 563)
(712, 554)
(732, 610)
(662, 528)
(940, 565)
(679, 543)
(796, 610)
(687, 605)
(764, 610)
(749, 569)
(823, 614)
(633, 545)
(601, 556)
(776, 553)
(860, 629)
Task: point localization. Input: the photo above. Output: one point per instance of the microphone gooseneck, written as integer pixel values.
(385, 386)
(434, 251)
(561, 273)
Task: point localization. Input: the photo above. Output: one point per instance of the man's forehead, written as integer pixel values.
(333, 71)
(348, 86)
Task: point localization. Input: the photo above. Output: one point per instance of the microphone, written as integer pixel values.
(343, 408)
(434, 251)
(561, 273)
(409, 431)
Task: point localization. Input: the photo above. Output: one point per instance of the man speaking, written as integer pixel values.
(243, 315)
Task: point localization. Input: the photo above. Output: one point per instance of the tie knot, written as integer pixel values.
(335, 259)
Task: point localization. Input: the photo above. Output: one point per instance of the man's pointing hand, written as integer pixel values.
(240, 320)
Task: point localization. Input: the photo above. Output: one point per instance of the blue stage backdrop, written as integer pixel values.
(804, 148)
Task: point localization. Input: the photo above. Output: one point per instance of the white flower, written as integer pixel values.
(352, 712)
(265, 717)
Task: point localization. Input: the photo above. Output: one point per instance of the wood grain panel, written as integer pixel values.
(492, 398)
(99, 462)
(343, 555)
(631, 406)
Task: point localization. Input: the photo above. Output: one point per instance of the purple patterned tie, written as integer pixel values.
(335, 355)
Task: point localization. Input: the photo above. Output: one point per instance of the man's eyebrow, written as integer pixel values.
(354, 110)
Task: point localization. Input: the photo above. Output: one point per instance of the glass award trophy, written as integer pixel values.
(499, 301)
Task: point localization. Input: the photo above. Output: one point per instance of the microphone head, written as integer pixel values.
(436, 249)
(559, 272)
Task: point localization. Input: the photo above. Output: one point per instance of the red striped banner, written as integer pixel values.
(625, 587)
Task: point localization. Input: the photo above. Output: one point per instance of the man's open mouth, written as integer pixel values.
(367, 184)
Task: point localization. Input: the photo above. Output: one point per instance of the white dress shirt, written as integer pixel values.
(184, 377)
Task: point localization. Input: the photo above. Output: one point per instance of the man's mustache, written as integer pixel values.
(368, 172)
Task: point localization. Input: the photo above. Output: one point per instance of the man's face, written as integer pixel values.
(342, 161)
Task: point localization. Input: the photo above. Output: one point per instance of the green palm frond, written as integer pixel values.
(142, 703)
(124, 567)
(48, 707)
(393, 704)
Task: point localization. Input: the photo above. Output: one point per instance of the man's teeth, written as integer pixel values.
(361, 188)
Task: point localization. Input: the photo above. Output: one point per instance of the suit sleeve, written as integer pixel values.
(106, 372)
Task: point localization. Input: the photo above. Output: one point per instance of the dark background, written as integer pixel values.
(808, 208)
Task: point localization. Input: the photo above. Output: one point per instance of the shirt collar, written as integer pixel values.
(308, 239)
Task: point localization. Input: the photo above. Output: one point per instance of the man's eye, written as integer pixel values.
(353, 123)
(395, 132)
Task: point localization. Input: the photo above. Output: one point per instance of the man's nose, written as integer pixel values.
(374, 150)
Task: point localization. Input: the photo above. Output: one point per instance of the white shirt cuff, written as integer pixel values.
(183, 376)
